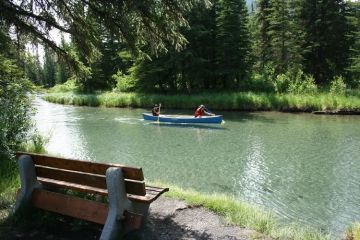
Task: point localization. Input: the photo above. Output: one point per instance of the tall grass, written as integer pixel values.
(242, 214)
(232, 101)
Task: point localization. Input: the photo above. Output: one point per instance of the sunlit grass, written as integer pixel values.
(353, 232)
(232, 101)
(244, 215)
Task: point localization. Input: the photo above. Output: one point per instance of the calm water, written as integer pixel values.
(303, 167)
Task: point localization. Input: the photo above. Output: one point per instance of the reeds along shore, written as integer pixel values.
(241, 101)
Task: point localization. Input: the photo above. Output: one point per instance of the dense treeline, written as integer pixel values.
(281, 46)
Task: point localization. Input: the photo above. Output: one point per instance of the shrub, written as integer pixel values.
(338, 86)
(302, 83)
(15, 106)
(124, 83)
(281, 83)
(70, 85)
(259, 83)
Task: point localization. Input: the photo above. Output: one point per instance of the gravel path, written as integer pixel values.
(172, 219)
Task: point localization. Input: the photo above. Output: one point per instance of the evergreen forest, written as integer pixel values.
(297, 46)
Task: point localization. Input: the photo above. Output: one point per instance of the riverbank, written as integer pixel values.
(179, 215)
(240, 101)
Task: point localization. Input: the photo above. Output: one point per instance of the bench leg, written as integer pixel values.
(28, 180)
(118, 202)
(141, 208)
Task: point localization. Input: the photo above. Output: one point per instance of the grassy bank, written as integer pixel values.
(246, 101)
(9, 182)
(242, 214)
(9, 174)
(353, 233)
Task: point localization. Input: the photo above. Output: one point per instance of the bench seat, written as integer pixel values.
(152, 193)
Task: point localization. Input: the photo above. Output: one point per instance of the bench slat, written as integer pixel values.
(72, 186)
(69, 205)
(152, 193)
(92, 180)
(83, 166)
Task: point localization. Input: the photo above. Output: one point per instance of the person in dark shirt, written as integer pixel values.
(156, 110)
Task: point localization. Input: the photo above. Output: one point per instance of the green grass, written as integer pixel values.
(353, 232)
(222, 101)
(245, 215)
(9, 173)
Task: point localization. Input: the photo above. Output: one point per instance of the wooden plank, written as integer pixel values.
(69, 205)
(135, 187)
(83, 166)
(72, 186)
(92, 180)
(148, 198)
(86, 179)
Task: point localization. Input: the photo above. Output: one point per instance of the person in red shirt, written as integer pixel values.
(201, 111)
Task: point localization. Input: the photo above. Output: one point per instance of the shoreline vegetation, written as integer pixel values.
(320, 103)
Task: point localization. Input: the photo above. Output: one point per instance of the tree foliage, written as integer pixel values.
(233, 44)
(326, 44)
(149, 23)
(181, 46)
(15, 108)
(354, 35)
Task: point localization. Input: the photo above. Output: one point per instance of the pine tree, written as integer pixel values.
(150, 23)
(325, 40)
(261, 42)
(33, 69)
(190, 70)
(49, 68)
(62, 71)
(285, 36)
(233, 44)
(354, 35)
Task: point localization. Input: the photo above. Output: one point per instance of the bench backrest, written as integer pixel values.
(84, 175)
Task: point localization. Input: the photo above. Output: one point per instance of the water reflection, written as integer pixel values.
(303, 167)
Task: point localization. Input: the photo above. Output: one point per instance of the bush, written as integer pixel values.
(302, 83)
(258, 83)
(338, 86)
(281, 83)
(15, 106)
(124, 83)
(71, 85)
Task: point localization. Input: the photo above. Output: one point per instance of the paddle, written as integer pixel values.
(158, 120)
(206, 109)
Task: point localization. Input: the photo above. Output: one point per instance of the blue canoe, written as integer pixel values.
(183, 118)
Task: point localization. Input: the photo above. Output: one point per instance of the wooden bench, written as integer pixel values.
(44, 179)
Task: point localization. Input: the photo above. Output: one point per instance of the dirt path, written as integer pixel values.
(173, 219)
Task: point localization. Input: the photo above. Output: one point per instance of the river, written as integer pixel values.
(303, 167)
